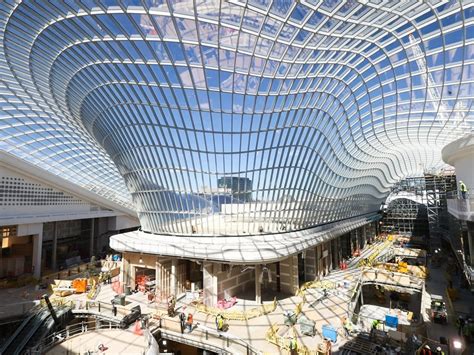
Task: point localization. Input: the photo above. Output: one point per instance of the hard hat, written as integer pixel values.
(438, 348)
(427, 347)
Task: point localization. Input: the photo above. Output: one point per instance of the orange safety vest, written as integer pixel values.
(190, 319)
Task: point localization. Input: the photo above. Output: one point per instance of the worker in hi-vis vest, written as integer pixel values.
(463, 189)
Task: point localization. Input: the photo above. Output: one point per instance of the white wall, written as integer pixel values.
(24, 196)
(460, 154)
(122, 222)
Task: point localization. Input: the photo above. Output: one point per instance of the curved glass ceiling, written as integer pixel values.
(234, 118)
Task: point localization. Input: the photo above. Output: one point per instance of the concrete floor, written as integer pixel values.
(437, 284)
(252, 331)
(117, 342)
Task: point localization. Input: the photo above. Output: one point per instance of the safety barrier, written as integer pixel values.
(82, 328)
(276, 335)
(373, 257)
(201, 336)
(325, 284)
(86, 305)
(238, 315)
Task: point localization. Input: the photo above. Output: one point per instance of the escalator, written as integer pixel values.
(36, 326)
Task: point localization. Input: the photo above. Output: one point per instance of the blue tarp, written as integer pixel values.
(391, 321)
(329, 332)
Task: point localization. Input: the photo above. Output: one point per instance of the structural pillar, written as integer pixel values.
(310, 264)
(37, 254)
(158, 285)
(54, 257)
(131, 272)
(318, 262)
(258, 285)
(91, 244)
(209, 285)
(173, 276)
(123, 271)
(329, 257)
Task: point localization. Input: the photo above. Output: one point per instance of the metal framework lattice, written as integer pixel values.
(317, 106)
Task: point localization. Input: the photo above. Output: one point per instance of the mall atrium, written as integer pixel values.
(287, 164)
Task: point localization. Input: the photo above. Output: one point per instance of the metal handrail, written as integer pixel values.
(217, 335)
(69, 332)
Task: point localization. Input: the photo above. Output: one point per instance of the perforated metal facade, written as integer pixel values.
(321, 105)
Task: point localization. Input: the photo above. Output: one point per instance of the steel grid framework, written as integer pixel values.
(321, 105)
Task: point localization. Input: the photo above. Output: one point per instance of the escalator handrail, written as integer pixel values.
(34, 326)
(7, 344)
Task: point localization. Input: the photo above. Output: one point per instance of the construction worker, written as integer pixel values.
(189, 322)
(347, 324)
(293, 346)
(426, 350)
(439, 351)
(182, 319)
(219, 322)
(460, 324)
(463, 189)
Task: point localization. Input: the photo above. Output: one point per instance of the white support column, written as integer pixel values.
(318, 262)
(132, 273)
(54, 258)
(158, 285)
(123, 278)
(258, 285)
(173, 278)
(209, 284)
(37, 254)
(91, 242)
(329, 258)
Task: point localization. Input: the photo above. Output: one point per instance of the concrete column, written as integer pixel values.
(54, 257)
(157, 275)
(131, 273)
(209, 285)
(335, 262)
(123, 278)
(37, 254)
(329, 257)
(174, 278)
(364, 235)
(310, 264)
(258, 285)
(318, 262)
(91, 243)
(289, 274)
(326, 256)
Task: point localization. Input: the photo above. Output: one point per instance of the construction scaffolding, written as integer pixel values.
(405, 216)
(437, 187)
(405, 212)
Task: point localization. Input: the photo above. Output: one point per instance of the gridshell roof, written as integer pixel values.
(320, 105)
